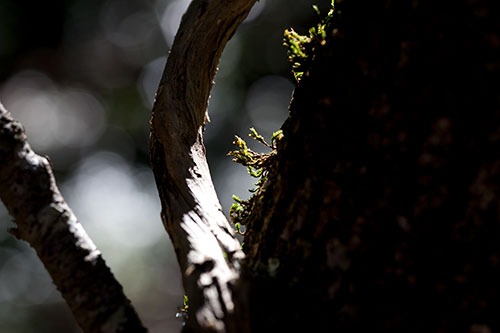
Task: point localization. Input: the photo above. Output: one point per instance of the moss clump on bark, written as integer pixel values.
(301, 47)
(258, 166)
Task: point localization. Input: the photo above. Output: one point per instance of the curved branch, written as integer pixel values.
(207, 250)
(44, 220)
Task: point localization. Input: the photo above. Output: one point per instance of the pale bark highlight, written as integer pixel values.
(207, 250)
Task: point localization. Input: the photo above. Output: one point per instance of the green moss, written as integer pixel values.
(301, 46)
(297, 54)
(183, 311)
(257, 165)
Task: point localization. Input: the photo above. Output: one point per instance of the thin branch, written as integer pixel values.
(44, 220)
(206, 247)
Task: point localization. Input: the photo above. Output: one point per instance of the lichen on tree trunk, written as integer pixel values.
(380, 212)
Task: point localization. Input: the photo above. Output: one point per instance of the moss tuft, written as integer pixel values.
(257, 165)
(301, 46)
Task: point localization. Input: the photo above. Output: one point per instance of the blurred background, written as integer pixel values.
(81, 76)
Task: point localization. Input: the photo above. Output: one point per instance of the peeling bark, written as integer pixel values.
(44, 220)
(207, 250)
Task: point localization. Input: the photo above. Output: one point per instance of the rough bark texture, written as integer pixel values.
(381, 212)
(43, 219)
(207, 250)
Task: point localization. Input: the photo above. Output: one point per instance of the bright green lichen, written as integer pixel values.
(300, 46)
(238, 211)
(183, 311)
(257, 165)
(277, 136)
(319, 32)
(296, 45)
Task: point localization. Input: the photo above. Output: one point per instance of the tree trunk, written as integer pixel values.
(378, 211)
(381, 209)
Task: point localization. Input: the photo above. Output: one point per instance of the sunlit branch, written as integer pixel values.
(206, 247)
(44, 220)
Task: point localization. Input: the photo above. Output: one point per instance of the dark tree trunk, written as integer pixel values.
(381, 210)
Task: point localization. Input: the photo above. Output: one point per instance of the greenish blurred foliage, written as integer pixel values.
(81, 77)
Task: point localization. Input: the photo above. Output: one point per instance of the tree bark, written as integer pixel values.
(44, 220)
(381, 210)
(208, 252)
